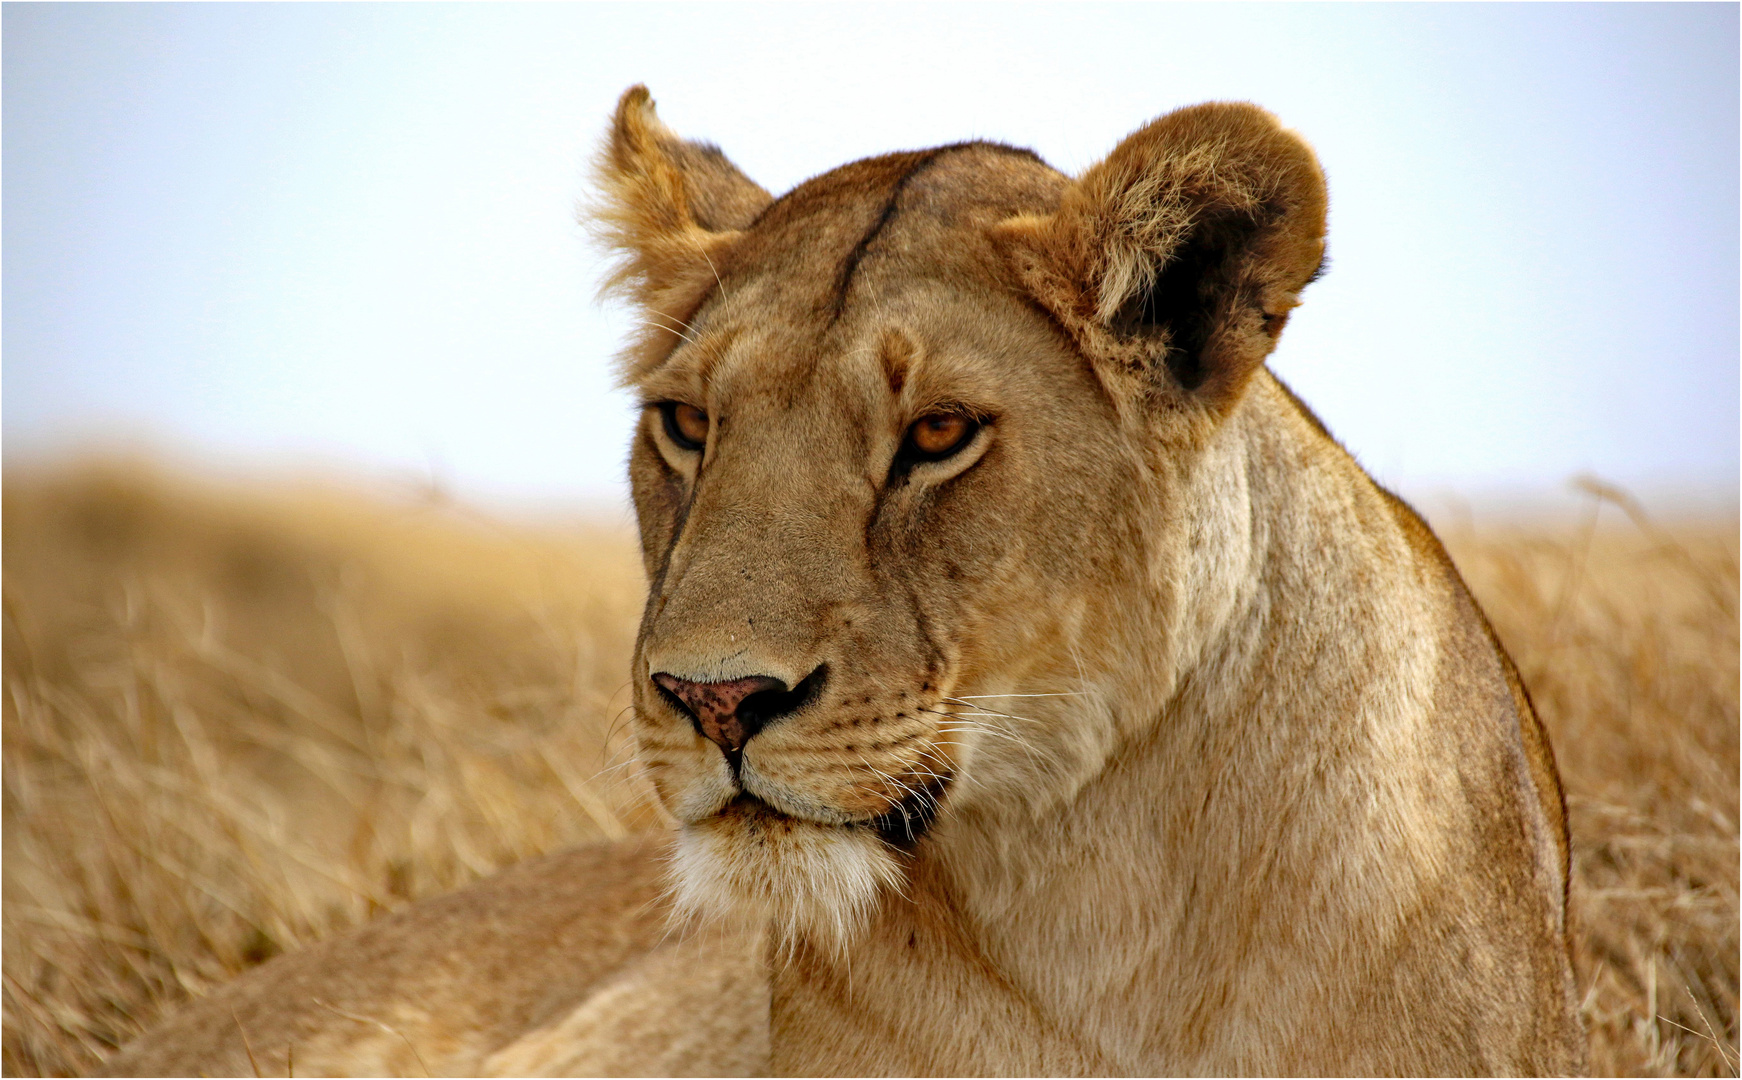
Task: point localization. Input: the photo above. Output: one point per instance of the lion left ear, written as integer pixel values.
(1174, 263)
(670, 207)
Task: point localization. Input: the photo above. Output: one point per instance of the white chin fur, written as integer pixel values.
(817, 882)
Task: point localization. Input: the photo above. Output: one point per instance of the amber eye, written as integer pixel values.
(939, 435)
(686, 425)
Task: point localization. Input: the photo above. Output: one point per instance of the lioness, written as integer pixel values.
(1036, 686)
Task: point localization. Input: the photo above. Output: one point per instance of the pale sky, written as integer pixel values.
(251, 235)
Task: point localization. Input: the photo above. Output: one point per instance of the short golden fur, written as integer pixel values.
(1141, 733)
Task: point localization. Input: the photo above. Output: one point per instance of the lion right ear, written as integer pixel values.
(670, 208)
(1175, 262)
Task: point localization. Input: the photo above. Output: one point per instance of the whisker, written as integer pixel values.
(703, 251)
(922, 770)
(968, 715)
(885, 777)
(987, 730)
(1035, 757)
(673, 329)
(982, 711)
(670, 330)
(672, 318)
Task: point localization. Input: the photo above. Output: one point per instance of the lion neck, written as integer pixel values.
(1056, 930)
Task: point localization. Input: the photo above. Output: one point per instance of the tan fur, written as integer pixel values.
(1153, 737)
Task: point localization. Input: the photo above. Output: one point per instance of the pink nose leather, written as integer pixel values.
(715, 705)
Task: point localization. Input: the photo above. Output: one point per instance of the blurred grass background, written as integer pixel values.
(239, 718)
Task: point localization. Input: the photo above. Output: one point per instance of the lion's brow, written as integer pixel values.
(922, 161)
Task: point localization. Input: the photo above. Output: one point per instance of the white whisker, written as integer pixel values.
(981, 711)
(703, 251)
(673, 329)
(975, 728)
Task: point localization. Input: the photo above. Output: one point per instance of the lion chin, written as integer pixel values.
(812, 882)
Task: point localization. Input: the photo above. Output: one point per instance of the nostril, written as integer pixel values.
(729, 713)
(762, 708)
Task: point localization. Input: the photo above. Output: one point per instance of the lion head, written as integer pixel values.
(912, 477)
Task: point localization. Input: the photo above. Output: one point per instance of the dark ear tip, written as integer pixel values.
(635, 113)
(635, 129)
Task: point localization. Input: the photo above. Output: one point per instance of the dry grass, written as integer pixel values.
(236, 721)
(1626, 634)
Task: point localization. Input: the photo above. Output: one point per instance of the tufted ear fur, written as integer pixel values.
(669, 208)
(1174, 263)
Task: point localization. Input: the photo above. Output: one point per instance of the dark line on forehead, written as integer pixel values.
(995, 147)
(926, 160)
(851, 264)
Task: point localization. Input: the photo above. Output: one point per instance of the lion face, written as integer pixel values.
(855, 532)
(896, 520)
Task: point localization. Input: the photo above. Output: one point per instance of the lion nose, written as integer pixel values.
(730, 713)
(716, 706)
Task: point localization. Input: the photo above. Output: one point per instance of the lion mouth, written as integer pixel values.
(901, 826)
(908, 820)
